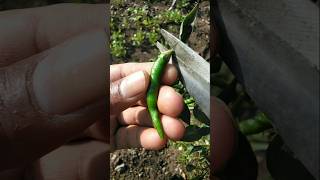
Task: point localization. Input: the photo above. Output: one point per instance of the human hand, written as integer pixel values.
(130, 123)
(53, 64)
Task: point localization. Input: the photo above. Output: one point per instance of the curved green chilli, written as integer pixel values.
(153, 90)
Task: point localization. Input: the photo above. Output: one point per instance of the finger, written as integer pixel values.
(39, 133)
(98, 130)
(134, 137)
(223, 136)
(127, 91)
(79, 160)
(170, 102)
(20, 99)
(138, 115)
(119, 71)
(26, 32)
(142, 102)
(67, 77)
(173, 128)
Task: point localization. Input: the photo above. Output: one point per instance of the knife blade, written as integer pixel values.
(195, 71)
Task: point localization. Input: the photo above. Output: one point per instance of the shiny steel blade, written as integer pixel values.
(194, 69)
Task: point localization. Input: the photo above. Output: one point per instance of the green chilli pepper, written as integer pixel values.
(152, 94)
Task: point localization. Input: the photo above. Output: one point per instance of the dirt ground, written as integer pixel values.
(144, 164)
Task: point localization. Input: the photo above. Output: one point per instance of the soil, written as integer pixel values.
(143, 164)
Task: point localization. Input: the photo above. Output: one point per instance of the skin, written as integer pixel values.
(153, 90)
(223, 138)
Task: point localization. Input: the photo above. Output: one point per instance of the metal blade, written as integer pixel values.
(273, 47)
(194, 69)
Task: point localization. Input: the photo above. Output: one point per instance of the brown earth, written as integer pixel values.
(144, 164)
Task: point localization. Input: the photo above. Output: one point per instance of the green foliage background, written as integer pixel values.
(138, 26)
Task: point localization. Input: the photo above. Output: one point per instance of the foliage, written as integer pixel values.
(118, 43)
(140, 25)
(137, 38)
(255, 125)
(195, 157)
(187, 24)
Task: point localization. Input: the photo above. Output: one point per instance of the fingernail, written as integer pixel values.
(133, 85)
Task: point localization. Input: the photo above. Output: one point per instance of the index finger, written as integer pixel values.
(119, 71)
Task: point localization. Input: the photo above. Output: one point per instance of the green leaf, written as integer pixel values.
(194, 133)
(199, 177)
(138, 38)
(197, 149)
(190, 167)
(199, 115)
(187, 24)
(185, 115)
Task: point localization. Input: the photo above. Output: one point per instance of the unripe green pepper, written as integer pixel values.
(153, 90)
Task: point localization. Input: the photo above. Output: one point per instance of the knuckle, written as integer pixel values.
(115, 92)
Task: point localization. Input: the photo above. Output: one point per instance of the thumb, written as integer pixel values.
(127, 91)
